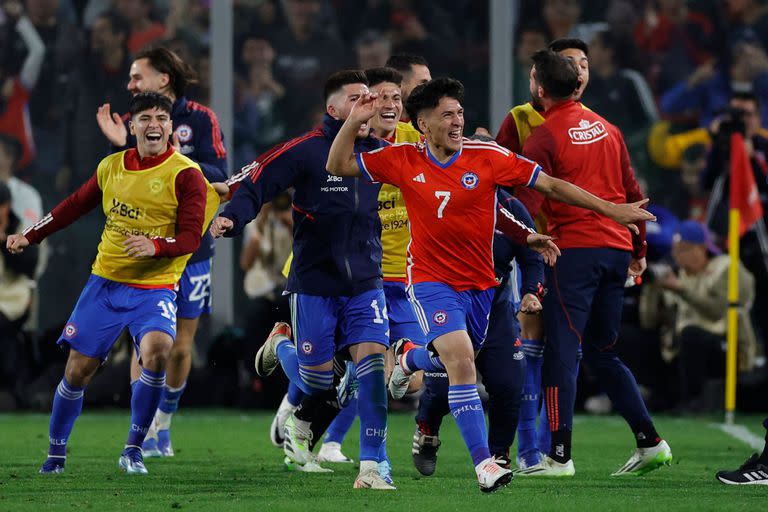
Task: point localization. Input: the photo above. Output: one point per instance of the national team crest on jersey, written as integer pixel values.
(70, 330)
(469, 180)
(184, 132)
(306, 347)
(440, 317)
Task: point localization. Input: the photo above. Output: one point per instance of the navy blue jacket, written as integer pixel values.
(531, 263)
(336, 226)
(201, 140)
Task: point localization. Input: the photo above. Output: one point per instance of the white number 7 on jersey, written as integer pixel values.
(446, 196)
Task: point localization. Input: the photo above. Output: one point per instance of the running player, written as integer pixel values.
(198, 136)
(335, 276)
(157, 204)
(519, 270)
(449, 186)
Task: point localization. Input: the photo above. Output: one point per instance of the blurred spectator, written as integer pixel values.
(743, 116)
(257, 122)
(15, 89)
(700, 294)
(531, 38)
(306, 56)
(676, 41)
(620, 95)
(26, 203)
(260, 17)
(189, 20)
(707, 90)
(747, 20)
(101, 76)
(373, 49)
(421, 28)
(16, 284)
(562, 19)
(48, 113)
(266, 248)
(682, 191)
(144, 30)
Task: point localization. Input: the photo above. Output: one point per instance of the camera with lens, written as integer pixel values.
(656, 271)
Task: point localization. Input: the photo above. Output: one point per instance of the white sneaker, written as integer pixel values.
(549, 467)
(400, 377)
(298, 436)
(491, 476)
(278, 422)
(310, 467)
(645, 460)
(331, 452)
(370, 479)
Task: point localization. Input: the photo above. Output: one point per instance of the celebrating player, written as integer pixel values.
(157, 205)
(449, 188)
(500, 361)
(335, 276)
(582, 310)
(197, 135)
(517, 126)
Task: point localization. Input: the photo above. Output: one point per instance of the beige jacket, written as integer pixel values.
(703, 302)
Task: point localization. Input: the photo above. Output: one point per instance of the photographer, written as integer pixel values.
(699, 291)
(743, 116)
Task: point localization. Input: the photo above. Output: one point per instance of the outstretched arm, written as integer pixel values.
(341, 158)
(82, 201)
(625, 214)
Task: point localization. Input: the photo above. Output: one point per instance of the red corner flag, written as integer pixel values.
(744, 195)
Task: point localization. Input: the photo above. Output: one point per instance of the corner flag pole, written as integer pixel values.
(733, 315)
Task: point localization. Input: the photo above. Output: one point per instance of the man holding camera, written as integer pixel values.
(742, 116)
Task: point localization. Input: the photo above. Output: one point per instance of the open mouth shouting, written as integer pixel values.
(455, 135)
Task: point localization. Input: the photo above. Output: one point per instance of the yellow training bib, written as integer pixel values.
(144, 203)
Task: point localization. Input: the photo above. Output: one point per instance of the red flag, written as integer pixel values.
(744, 194)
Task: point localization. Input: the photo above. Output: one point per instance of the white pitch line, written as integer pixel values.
(741, 433)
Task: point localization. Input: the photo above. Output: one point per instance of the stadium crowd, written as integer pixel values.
(676, 83)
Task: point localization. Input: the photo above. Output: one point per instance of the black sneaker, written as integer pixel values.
(425, 452)
(752, 472)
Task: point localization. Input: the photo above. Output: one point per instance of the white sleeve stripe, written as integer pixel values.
(508, 214)
(42, 222)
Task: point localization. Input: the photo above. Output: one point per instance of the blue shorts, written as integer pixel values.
(194, 295)
(441, 309)
(323, 326)
(107, 307)
(402, 319)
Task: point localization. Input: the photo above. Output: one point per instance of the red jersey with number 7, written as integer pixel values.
(451, 206)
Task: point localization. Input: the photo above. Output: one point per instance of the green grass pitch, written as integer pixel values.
(224, 461)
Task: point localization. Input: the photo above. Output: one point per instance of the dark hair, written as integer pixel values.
(149, 100)
(376, 76)
(180, 74)
(402, 62)
(428, 95)
(746, 96)
(118, 24)
(556, 74)
(341, 78)
(12, 145)
(566, 43)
